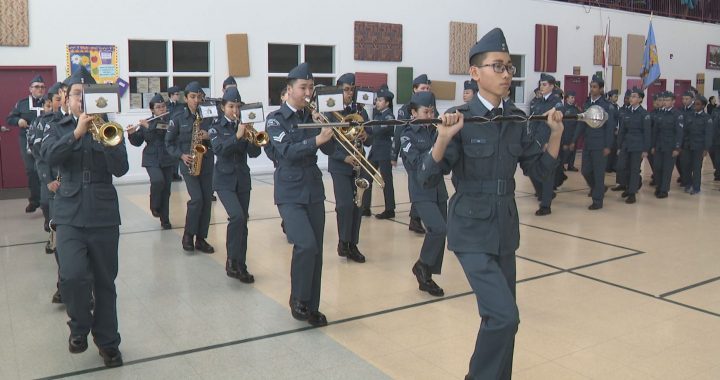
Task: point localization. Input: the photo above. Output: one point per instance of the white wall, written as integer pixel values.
(53, 24)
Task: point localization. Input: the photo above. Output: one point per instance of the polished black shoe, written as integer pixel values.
(542, 211)
(366, 212)
(595, 206)
(155, 213)
(355, 254)
(176, 177)
(166, 226)
(662, 195)
(57, 298)
(235, 270)
(77, 344)
(424, 279)
(299, 310)
(203, 246)
(31, 207)
(572, 169)
(630, 199)
(46, 226)
(343, 249)
(317, 319)
(416, 226)
(619, 188)
(187, 242)
(112, 357)
(624, 194)
(387, 214)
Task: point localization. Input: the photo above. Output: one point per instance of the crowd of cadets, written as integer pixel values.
(63, 163)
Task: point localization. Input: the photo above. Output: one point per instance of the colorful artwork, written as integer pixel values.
(100, 60)
(712, 60)
(376, 41)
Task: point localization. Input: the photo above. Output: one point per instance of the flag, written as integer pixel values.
(606, 50)
(651, 65)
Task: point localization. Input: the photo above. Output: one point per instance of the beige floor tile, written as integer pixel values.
(548, 371)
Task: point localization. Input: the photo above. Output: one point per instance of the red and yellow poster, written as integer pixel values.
(100, 60)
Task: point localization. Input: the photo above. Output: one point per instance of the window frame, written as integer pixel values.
(301, 57)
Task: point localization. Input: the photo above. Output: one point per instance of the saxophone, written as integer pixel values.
(197, 149)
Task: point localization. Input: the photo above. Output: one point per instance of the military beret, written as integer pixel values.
(702, 99)
(232, 95)
(628, 92)
(302, 71)
(347, 78)
(157, 99)
(54, 89)
(385, 92)
(492, 41)
(689, 93)
(229, 81)
(615, 92)
(570, 93)
(173, 90)
(423, 98)
(421, 79)
(471, 85)
(37, 79)
(547, 78)
(79, 76)
(194, 86)
(668, 94)
(638, 91)
(596, 79)
(656, 96)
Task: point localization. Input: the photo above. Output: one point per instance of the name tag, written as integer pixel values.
(478, 141)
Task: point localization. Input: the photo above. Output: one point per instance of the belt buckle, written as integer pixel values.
(87, 176)
(501, 187)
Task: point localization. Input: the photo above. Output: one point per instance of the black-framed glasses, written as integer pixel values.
(500, 68)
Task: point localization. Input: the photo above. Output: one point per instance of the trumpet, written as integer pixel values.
(252, 135)
(107, 133)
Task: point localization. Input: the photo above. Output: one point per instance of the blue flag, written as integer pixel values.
(651, 65)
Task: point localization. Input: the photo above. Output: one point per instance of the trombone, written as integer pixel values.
(346, 134)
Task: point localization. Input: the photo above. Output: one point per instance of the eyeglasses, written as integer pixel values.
(37, 86)
(500, 68)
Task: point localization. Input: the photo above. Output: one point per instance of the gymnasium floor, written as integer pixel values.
(628, 292)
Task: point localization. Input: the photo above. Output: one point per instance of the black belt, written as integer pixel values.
(496, 186)
(90, 177)
(303, 163)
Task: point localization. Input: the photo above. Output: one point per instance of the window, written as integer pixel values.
(157, 65)
(517, 86)
(284, 57)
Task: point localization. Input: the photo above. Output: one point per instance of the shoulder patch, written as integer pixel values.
(273, 123)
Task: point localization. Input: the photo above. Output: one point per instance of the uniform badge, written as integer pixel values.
(279, 137)
(101, 102)
(252, 116)
(330, 102)
(273, 123)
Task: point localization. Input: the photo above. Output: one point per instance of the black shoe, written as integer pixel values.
(235, 270)
(630, 199)
(716, 179)
(625, 194)
(112, 357)
(48, 248)
(77, 344)
(213, 198)
(187, 242)
(31, 207)
(57, 298)
(46, 226)
(424, 279)
(619, 188)
(166, 226)
(595, 206)
(176, 177)
(366, 212)
(299, 310)
(355, 254)
(543, 211)
(203, 246)
(317, 319)
(387, 214)
(416, 226)
(343, 249)
(679, 180)
(662, 195)
(155, 213)
(572, 169)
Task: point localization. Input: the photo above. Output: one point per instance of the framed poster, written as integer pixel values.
(100, 60)
(712, 60)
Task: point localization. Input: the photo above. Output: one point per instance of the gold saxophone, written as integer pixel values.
(197, 149)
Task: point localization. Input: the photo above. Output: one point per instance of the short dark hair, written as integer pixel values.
(478, 59)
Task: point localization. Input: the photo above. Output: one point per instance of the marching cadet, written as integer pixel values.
(183, 129)
(299, 192)
(25, 112)
(270, 153)
(699, 132)
(612, 97)
(341, 168)
(381, 152)
(156, 160)
(668, 131)
(470, 89)
(715, 149)
(483, 227)
(35, 134)
(430, 203)
(419, 84)
(567, 155)
(682, 162)
(231, 181)
(544, 188)
(657, 105)
(634, 140)
(174, 106)
(87, 216)
(597, 145)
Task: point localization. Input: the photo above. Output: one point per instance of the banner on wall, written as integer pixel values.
(100, 60)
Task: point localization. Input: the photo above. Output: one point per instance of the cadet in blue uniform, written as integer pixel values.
(24, 113)
(541, 133)
(299, 192)
(682, 162)
(35, 134)
(634, 141)
(567, 156)
(657, 106)
(420, 84)
(667, 138)
(87, 215)
(231, 181)
(699, 131)
(715, 149)
(430, 203)
(174, 105)
(483, 227)
(381, 152)
(597, 145)
(178, 139)
(156, 160)
(612, 97)
(470, 89)
(340, 166)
